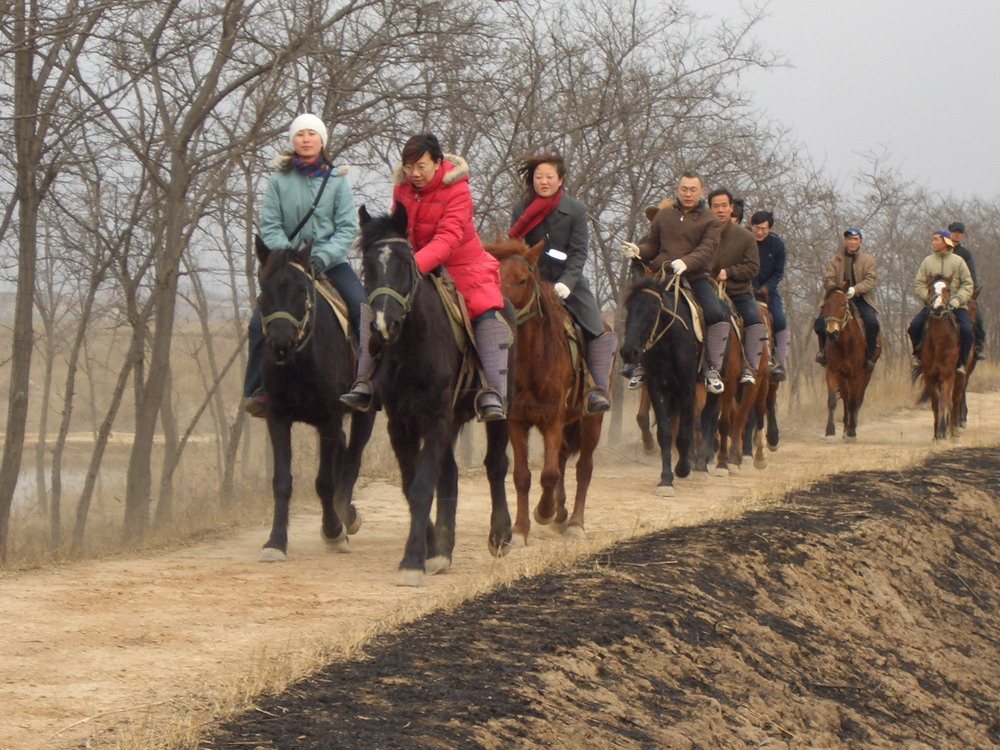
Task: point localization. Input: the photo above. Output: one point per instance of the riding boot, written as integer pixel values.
(871, 341)
(754, 338)
(716, 338)
(781, 341)
(361, 397)
(493, 340)
(600, 354)
(821, 354)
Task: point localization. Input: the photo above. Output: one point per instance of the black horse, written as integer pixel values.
(307, 364)
(418, 382)
(658, 330)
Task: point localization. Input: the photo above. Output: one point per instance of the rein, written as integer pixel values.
(655, 335)
(387, 291)
(303, 331)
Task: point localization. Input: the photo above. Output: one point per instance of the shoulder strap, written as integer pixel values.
(312, 208)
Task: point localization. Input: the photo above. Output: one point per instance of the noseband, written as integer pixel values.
(846, 316)
(534, 307)
(387, 291)
(303, 331)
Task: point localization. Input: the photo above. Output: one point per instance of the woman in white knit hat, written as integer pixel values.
(304, 176)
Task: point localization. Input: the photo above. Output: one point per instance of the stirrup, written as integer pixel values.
(359, 400)
(490, 412)
(713, 383)
(597, 401)
(747, 378)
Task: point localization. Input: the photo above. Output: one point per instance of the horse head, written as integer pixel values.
(390, 270)
(287, 298)
(642, 314)
(518, 270)
(939, 289)
(836, 311)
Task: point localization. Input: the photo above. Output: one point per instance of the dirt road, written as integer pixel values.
(127, 643)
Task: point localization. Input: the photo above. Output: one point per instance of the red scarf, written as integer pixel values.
(534, 215)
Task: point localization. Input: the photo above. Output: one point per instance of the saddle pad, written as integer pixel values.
(697, 320)
(458, 313)
(332, 296)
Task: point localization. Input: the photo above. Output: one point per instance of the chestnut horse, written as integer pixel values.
(549, 392)
(939, 353)
(845, 349)
(764, 412)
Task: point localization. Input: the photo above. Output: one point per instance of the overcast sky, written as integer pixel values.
(919, 78)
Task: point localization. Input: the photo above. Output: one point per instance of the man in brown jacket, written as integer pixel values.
(857, 270)
(683, 237)
(736, 263)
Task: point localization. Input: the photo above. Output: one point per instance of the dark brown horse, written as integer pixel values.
(846, 375)
(939, 353)
(548, 394)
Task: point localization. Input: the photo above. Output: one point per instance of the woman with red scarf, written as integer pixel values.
(434, 189)
(547, 213)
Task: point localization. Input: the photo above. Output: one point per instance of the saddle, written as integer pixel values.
(697, 317)
(333, 298)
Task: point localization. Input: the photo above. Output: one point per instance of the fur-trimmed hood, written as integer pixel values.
(459, 169)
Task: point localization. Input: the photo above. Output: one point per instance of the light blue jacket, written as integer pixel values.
(331, 227)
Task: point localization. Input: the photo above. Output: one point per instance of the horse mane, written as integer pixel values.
(280, 258)
(830, 292)
(378, 227)
(503, 248)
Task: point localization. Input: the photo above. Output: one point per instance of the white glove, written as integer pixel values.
(955, 302)
(631, 250)
(678, 266)
(562, 291)
(850, 292)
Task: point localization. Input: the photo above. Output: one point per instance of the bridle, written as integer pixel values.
(655, 335)
(303, 331)
(387, 291)
(534, 307)
(845, 319)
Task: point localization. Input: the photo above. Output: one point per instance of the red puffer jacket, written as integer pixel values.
(442, 233)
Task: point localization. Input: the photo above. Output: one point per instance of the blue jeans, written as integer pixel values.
(746, 308)
(345, 281)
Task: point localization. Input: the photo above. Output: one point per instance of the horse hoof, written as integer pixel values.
(826, 438)
(735, 468)
(850, 438)
(409, 577)
(541, 520)
(437, 564)
(665, 490)
(500, 550)
(355, 525)
(701, 476)
(720, 472)
(517, 539)
(760, 463)
(574, 531)
(339, 543)
(271, 554)
(772, 448)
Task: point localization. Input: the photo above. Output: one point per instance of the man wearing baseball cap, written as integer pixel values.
(857, 269)
(957, 230)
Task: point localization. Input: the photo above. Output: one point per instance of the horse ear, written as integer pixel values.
(262, 250)
(363, 216)
(303, 254)
(535, 252)
(399, 217)
(651, 211)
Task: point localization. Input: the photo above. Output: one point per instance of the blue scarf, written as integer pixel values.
(316, 168)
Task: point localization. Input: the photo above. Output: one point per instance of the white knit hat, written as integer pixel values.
(306, 122)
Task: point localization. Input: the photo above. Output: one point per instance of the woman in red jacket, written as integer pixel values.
(434, 189)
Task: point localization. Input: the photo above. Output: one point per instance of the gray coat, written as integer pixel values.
(565, 230)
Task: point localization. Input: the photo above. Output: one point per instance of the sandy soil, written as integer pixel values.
(126, 643)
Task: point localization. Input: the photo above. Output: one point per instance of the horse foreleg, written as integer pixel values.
(725, 432)
(522, 479)
(831, 402)
(331, 450)
(420, 497)
(663, 436)
(685, 432)
(642, 419)
(552, 436)
(441, 536)
(497, 464)
(772, 418)
(346, 474)
(590, 436)
(276, 547)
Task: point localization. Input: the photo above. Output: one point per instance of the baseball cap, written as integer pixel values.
(956, 226)
(853, 233)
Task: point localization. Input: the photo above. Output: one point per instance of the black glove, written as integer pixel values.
(318, 266)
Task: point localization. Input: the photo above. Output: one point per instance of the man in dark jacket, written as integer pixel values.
(957, 230)
(772, 270)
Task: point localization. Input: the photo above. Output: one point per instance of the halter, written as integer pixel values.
(944, 310)
(534, 307)
(847, 313)
(386, 291)
(654, 335)
(303, 331)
